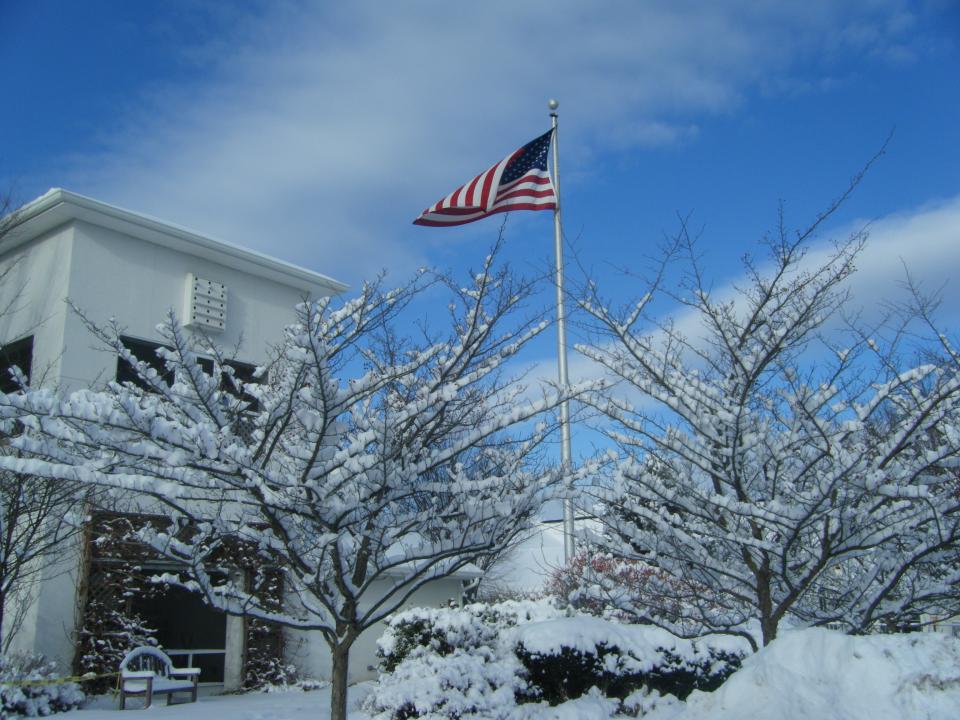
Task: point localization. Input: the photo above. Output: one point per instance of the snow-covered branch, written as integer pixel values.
(362, 463)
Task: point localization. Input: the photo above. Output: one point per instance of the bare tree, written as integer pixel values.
(366, 463)
(779, 460)
(37, 517)
(9, 215)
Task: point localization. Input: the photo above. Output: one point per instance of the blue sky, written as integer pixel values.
(317, 132)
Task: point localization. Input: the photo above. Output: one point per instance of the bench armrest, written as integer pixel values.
(185, 671)
(137, 674)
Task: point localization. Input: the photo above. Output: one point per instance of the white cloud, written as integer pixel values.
(922, 241)
(925, 243)
(318, 131)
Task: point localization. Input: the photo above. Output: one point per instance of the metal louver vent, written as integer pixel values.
(206, 304)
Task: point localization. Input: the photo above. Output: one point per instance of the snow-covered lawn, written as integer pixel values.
(290, 705)
(805, 674)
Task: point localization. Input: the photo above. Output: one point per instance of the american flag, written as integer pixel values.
(518, 182)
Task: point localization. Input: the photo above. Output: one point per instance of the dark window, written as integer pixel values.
(243, 373)
(184, 623)
(16, 354)
(144, 351)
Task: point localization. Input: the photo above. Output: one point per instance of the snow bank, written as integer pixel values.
(826, 675)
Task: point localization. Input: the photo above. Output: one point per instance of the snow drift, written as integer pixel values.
(826, 675)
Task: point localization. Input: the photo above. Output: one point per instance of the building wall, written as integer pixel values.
(32, 295)
(310, 653)
(114, 275)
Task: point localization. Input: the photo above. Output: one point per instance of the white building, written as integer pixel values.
(112, 263)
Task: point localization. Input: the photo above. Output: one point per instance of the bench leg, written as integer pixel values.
(148, 698)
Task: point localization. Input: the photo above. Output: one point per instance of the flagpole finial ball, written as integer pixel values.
(553, 104)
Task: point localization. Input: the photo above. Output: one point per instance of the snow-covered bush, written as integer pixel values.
(444, 630)
(292, 685)
(507, 659)
(26, 699)
(440, 633)
(454, 662)
(512, 613)
(479, 683)
(564, 658)
(599, 582)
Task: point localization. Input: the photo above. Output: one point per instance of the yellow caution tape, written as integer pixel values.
(62, 681)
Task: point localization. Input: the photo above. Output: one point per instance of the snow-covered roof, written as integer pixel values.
(58, 206)
(467, 572)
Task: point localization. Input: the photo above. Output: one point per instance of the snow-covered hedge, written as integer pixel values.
(564, 658)
(506, 660)
(31, 700)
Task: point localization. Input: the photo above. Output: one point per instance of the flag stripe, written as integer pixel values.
(526, 194)
(472, 190)
(518, 182)
(486, 189)
(532, 176)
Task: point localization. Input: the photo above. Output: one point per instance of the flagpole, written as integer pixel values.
(565, 451)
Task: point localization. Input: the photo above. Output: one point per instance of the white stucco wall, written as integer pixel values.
(49, 626)
(114, 275)
(32, 293)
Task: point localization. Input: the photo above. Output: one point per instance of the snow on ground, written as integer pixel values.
(830, 676)
(805, 674)
(282, 705)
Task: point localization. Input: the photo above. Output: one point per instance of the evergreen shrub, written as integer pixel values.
(19, 696)
(565, 673)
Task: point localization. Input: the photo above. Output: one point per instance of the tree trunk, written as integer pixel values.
(338, 680)
(769, 627)
(768, 623)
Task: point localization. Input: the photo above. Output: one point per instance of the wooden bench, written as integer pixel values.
(147, 671)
